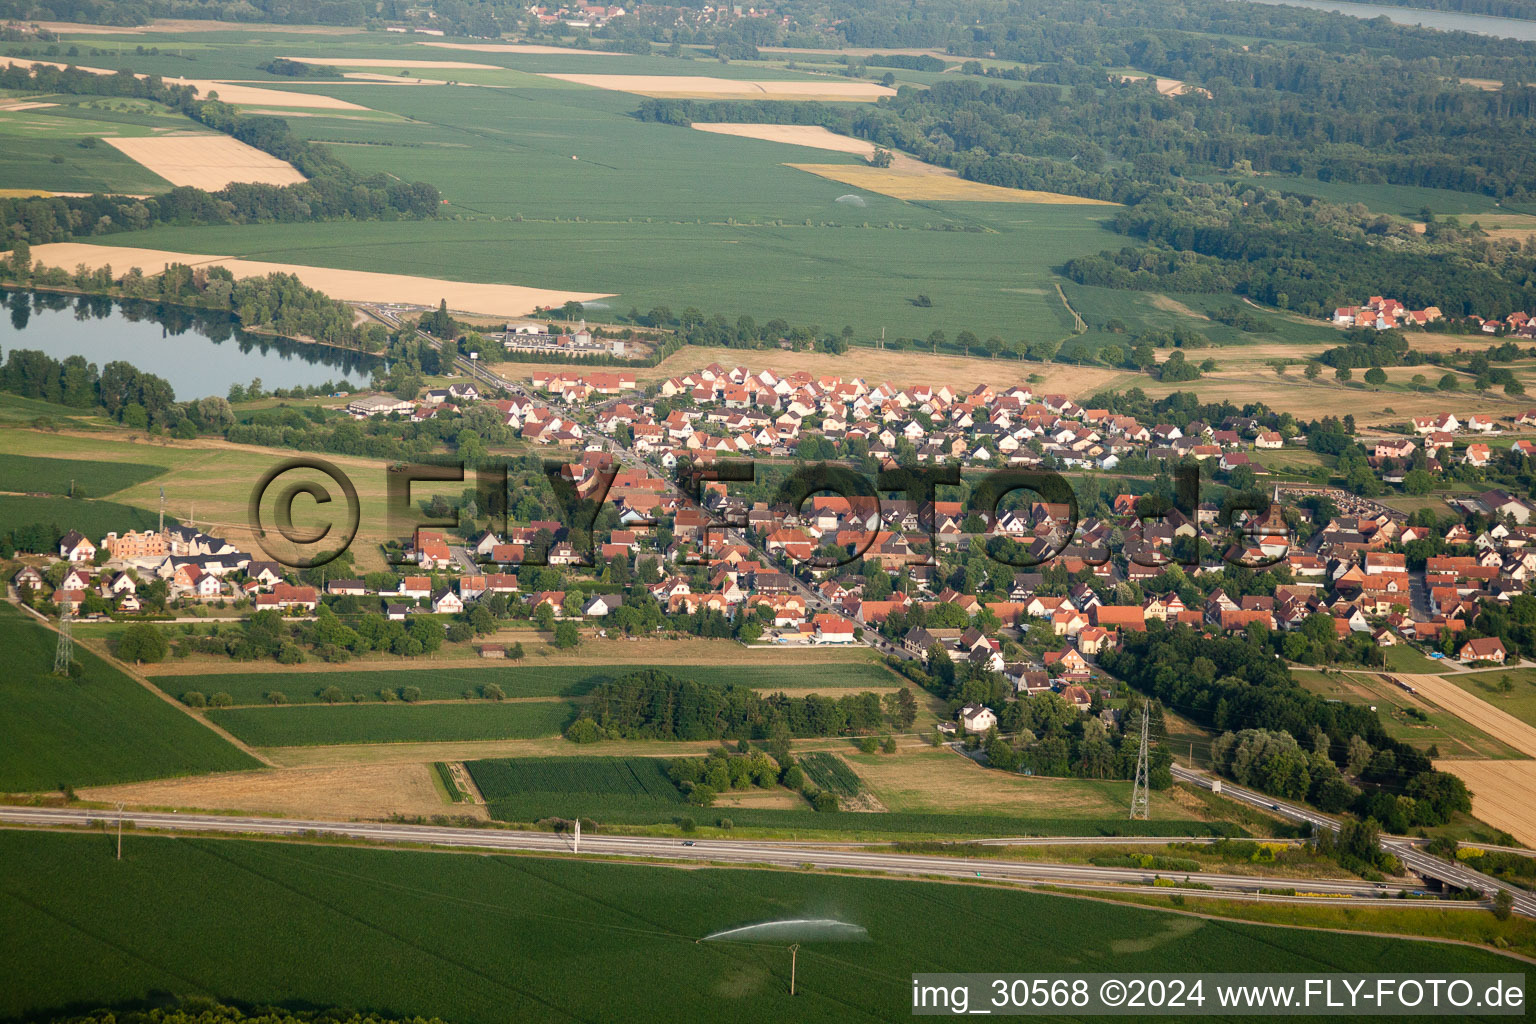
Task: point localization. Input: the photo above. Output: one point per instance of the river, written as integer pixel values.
(200, 353)
(1451, 21)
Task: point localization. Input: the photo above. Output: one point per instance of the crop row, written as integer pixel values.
(830, 772)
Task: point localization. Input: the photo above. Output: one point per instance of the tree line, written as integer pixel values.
(652, 704)
(1239, 686)
(333, 190)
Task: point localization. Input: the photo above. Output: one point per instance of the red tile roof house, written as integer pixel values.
(1484, 649)
(832, 629)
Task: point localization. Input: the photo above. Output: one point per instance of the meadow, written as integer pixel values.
(487, 939)
(1408, 717)
(100, 728)
(23, 473)
(320, 725)
(1520, 701)
(437, 683)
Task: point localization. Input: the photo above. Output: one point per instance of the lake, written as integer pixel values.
(1451, 21)
(199, 352)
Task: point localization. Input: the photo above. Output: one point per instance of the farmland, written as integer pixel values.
(318, 725)
(206, 161)
(92, 518)
(481, 940)
(606, 788)
(830, 772)
(1501, 794)
(1520, 701)
(438, 683)
(51, 476)
(526, 789)
(368, 791)
(658, 214)
(100, 728)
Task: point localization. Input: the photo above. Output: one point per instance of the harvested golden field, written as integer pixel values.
(235, 92)
(899, 183)
(702, 87)
(817, 137)
(229, 92)
(810, 136)
(347, 285)
(340, 793)
(1170, 86)
(209, 162)
(1473, 710)
(1501, 794)
(1306, 400)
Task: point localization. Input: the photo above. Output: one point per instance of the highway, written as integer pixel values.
(1402, 847)
(744, 852)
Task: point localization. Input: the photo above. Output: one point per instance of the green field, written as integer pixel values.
(530, 788)
(321, 725)
(93, 518)
(42, 148)
(658, 214)
(1397, 200)
(515, 681)
(1520, 701)
(95, 730)
(15, 409)
(830, 772)
(56, 476)
(486, 940)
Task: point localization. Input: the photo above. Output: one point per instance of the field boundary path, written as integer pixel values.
(1473, 710)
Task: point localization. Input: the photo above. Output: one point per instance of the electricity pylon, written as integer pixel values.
(1140, 794)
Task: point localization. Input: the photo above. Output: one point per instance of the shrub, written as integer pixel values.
(194, 699)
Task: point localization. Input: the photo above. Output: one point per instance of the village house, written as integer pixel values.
(1482, 649)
